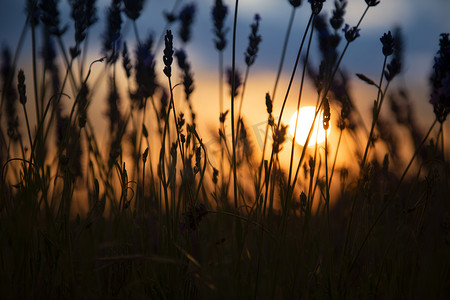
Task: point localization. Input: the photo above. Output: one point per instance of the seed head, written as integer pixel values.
(328, 42)
(279, 136)
(22, 87)
(133, 8)
(254, 39)
(316, 6)
(144, 155)
(180, 122)
(440, 79)
(337, 20)
(185, 66)
(351, 33)
(168, 53)
(82, 104)
(268, 104)
(388, 44)
(326, 114)
(113, 112)
(295, 3)
(215, 175)
(111, 36)
(223, 116)
(372, 2)
(145, 71)
(237, 81)
(393, 69)
(219, 13)
(126, 62)
(50, 16)
(198, 158)
(81, 20)
(186, 17)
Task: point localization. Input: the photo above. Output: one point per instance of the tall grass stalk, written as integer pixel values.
(233, 89)
(377, 108)
(335, 156)
(35, 83)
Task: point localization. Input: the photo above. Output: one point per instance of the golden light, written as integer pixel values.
(305, 120)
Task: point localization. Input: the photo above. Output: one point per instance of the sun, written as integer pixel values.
(305, 120)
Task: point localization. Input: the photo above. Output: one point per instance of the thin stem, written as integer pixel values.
(233, 88)
(283, 52)
(221, 82)
(222, 168)
(175, 119)
(376, 114)
(335, 156)
(327, 186)
(242, 100)
(35, 85)
(363, 15)
(136, 33)
(291, 162)
(444, 161)
(28, 130)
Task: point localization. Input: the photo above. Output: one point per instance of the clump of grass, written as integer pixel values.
(161, 220)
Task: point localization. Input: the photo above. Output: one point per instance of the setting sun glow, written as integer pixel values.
(305, 120)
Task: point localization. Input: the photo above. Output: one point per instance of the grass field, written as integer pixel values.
(146, 211)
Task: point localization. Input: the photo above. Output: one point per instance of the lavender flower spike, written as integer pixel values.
(295, 3)
(186, 18)
(168, 53)
(133, 8)
(388, 44)
(219, 13)
(351, 33)
(440, 79)
(254, 40)
(372, 2)
(316, 6)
